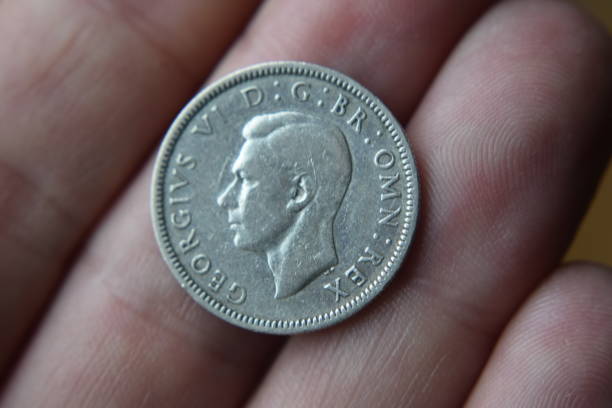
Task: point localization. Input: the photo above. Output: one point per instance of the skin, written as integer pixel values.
(507, 107)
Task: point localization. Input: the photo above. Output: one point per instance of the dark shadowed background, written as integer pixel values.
(594, 239)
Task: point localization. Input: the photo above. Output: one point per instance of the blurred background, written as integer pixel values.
(594, 238)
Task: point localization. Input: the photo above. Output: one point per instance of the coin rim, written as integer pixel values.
(410, 204)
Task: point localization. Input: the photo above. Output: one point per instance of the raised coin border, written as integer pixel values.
(383, 276)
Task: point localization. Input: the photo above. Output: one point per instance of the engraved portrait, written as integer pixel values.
(288, 182)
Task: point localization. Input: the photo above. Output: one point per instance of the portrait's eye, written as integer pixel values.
(244, 177)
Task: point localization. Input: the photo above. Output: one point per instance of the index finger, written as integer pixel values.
(77, 120)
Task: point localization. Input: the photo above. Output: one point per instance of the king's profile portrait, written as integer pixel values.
(288, 183)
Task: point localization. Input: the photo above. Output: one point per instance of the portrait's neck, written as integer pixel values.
(306, 252)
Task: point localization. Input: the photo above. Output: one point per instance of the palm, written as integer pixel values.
(504, 122)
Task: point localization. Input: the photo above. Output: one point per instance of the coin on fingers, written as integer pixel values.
(284, 197)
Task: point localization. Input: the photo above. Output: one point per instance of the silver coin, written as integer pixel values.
(284, 197)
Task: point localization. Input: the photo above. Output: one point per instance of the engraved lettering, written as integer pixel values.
(178, 200)
(339, 107)
(357, 119)
(384, 159)
(389, 216)
(371, 256)
(185, 161)
(217, 280)
(216, 110)
(253, 96)
(203, 128)
(300, 91)
(190, 243)
(356, 276)
(200, 264)
(389, 192)
(181, 219)
(237, 294)
(335, 288)
(182, 181)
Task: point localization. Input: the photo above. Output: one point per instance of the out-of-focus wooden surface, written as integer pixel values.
(594, 239)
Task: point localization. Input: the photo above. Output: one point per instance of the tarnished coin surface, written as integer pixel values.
(284, 197)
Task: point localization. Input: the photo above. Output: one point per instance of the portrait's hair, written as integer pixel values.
(302, 144)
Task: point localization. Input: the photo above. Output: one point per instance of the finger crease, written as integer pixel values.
(134, 19)
(21, 188)
(465, 314)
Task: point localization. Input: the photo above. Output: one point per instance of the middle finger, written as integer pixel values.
(508, 160)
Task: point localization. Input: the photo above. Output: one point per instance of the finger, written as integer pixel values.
(121, 332)
(507, 162)
(393, 47)
(557, 351)
(76, 120)
(149, 290)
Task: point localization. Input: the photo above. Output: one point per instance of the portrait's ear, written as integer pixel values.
(302, 191)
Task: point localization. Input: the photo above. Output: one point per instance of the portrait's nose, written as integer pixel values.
(226, 198)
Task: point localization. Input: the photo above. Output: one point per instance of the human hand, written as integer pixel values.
(507, 124)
